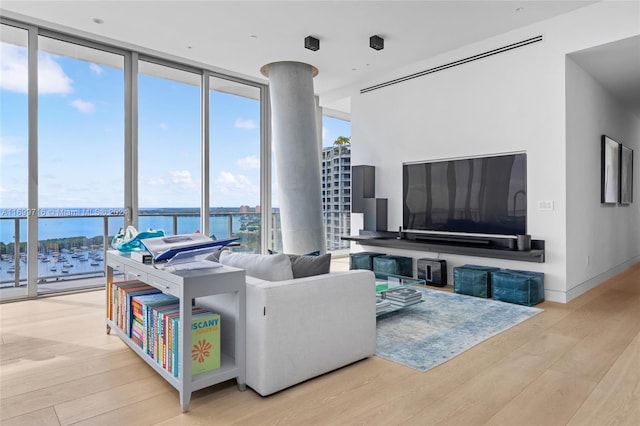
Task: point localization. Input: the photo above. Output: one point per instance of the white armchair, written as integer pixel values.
(301, 328)
(298, 328)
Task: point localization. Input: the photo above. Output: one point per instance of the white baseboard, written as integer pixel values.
(585, 286)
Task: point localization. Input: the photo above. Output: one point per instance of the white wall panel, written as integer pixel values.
(513, 101)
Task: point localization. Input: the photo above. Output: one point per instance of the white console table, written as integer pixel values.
(188, 285)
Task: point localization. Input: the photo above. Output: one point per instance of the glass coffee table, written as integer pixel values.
(395, 292)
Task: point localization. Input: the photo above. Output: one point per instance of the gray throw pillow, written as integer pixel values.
(275, 267)
(306, 266)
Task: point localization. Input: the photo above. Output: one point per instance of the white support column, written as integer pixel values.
(297, 155)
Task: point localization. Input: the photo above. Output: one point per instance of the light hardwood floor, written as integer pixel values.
(574, 364)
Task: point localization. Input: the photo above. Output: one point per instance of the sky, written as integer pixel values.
(80, 136)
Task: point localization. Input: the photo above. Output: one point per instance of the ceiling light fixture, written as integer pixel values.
(311, 43)
(376, 42)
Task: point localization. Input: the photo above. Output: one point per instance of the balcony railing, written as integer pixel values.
(79, 247)
(68, 256)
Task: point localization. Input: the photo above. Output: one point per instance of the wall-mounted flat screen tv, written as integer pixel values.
(479, 195)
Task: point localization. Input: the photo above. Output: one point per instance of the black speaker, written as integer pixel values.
(376, 42)
(433, 271)
(311, 43)
(375, 214)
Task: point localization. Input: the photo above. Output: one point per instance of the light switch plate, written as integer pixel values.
(545, 205)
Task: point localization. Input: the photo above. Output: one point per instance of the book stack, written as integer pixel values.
(119, 301)
(403, 296)
(382, 304)
(143, 318)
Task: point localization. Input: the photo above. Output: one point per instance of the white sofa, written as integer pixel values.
(300, 328)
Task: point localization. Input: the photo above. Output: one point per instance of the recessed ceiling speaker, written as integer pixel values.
(311, 43)
(376, 42)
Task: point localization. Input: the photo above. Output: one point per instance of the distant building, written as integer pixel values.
(244, 209)
(336, 195)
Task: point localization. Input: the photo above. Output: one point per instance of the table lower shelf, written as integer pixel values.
(384, 286)
(228, 369)
(395, 308)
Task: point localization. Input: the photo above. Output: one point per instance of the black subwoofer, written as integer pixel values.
(433, 271)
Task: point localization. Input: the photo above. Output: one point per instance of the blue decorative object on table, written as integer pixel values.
(128, 240)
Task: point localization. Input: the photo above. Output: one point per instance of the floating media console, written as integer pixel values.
(497, 248)
(453, 239)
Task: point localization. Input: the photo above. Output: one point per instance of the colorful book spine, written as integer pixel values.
(166, 337)
(137, 333)
(175, 322)
(173, 319)
(136, 311)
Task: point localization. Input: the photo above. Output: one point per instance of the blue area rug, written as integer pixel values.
(444, 325)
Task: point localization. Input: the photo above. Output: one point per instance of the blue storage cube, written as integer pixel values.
(473, 280)
(520, 287)
(393, 265)
(363, 260)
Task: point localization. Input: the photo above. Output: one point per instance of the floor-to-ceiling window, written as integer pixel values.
(234, 162)
(169, 154)
(80, 157)
(108, 128)
(54, 152)
(336, 135)
(14, 152)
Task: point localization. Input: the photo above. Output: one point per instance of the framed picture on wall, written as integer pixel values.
(626, 175)
(610, 171)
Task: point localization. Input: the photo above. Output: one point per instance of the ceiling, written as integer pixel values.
(242, 36)
(617, 67)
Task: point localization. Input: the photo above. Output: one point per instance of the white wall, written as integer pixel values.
(603, 238)
(514, 101)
